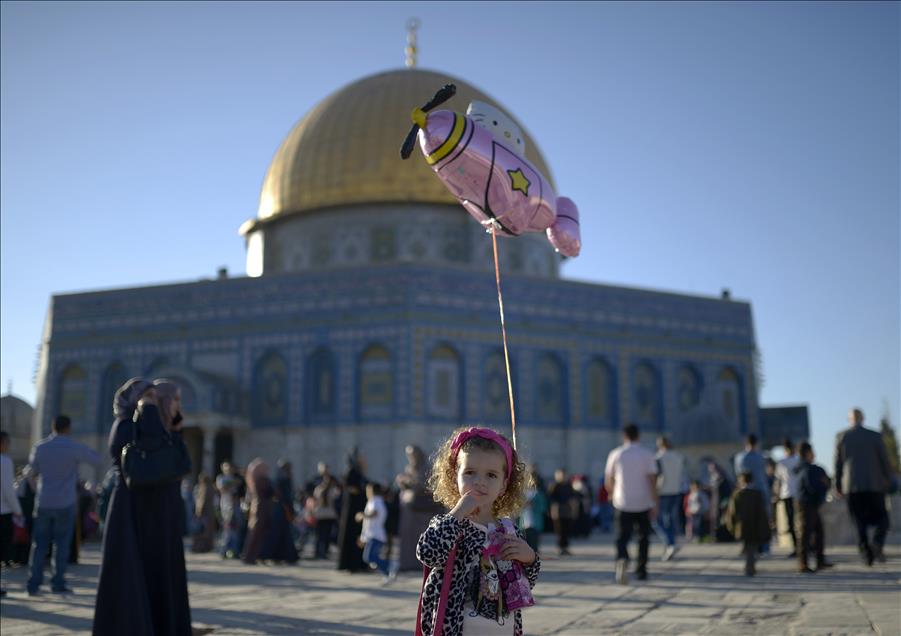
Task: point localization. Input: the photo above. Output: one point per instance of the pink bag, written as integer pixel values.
(513, 580)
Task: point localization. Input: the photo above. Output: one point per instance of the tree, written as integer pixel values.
(891, 443)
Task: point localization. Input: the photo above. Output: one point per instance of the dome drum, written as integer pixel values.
(360, 235)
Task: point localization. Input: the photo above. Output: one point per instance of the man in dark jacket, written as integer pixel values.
(863, 475)
(813, 484)
(747, 519)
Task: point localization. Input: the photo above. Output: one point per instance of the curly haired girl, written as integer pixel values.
(481, 568)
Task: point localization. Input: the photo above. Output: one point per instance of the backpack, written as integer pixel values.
(814, 484)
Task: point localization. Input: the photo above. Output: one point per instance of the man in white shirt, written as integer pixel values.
(788, 488)
(9, 502)
(631, 475)
(672, 484)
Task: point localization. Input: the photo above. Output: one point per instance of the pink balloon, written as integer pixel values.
(494, 183)
(564, 232)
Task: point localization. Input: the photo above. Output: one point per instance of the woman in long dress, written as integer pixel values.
(205, 514)
(143, 585)
(350, 555)
(279, 543)
(259, 518)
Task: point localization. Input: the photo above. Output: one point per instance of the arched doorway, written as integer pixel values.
(223, 449)
(193, 438)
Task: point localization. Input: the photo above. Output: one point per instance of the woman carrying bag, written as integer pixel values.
(143, 588)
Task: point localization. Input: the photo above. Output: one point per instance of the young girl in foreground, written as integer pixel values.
(478, 476)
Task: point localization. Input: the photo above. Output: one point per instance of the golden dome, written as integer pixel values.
(346, 150)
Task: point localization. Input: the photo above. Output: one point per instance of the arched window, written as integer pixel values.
(731, 400)
(322, 385)
(551, 390)
(444, 382)
(270, 394)
(376, 384)
(73, 396)
(600, 390)
(689, 388)
(114, 377)
(648, 392)
(495, 397)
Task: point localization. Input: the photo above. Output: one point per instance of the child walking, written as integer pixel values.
(373, 534)
(480, 568)
(813, 485)
(697, 508)
(747, 519)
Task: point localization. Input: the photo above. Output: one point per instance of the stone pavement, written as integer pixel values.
(702, 591)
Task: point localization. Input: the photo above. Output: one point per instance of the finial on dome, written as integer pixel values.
(411, 50)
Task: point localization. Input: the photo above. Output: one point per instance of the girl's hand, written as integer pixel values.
(466, 507)
(516, 549)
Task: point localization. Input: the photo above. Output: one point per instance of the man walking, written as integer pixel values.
(9, 502)
(863, 474)
(788, 488)
(672, 484)
(54, 461)
(631, 474)
(751, 461)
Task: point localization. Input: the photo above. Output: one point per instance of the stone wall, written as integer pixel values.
(838, 525)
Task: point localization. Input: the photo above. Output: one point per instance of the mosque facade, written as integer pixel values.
(369, 318)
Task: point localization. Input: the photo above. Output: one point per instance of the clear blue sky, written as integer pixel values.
(740, 145)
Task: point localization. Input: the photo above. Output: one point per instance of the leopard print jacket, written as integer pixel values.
(432, 550)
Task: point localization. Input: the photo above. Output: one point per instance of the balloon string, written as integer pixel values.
(500, 303)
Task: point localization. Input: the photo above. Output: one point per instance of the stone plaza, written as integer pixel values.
(701, 591)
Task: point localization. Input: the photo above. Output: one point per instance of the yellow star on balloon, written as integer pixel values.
(518, 181)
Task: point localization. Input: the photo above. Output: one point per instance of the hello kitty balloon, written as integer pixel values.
(480, 157)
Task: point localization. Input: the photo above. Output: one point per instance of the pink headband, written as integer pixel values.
(484, 433)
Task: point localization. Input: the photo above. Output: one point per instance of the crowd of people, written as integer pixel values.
(647, 488)
(257, 514)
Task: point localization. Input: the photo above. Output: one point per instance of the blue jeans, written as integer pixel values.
(56, 525)
(372, 555)
(669, 516)
(231, 533)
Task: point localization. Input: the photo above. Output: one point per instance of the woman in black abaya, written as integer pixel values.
(353, 500)
(143, 587)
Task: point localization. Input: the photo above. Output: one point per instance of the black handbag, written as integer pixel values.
(153, 460)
